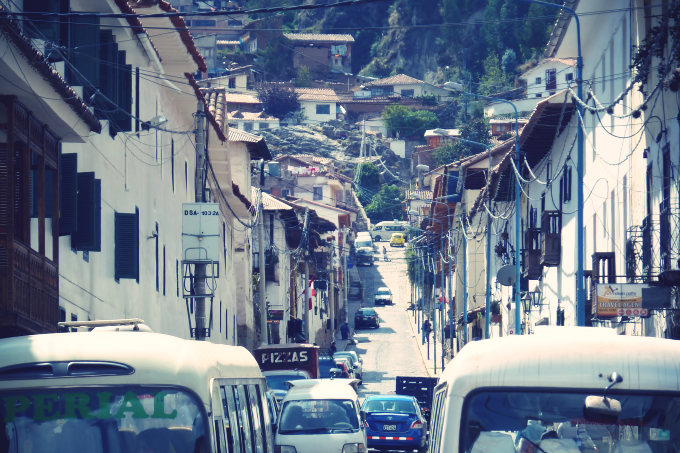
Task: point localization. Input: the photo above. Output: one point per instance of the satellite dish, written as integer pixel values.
(506, 275)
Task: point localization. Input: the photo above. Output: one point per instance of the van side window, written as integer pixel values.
(231, 420)
(437, 422)
(377, 228)
(243, 418)
(259, 442)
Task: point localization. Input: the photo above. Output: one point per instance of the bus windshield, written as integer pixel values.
(102, 420)
(534, 422)
(318, 416)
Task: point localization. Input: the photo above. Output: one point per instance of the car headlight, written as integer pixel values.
(284, 449)
(354, 448)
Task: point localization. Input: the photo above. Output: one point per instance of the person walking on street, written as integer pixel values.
(426, 330)
(344, 331)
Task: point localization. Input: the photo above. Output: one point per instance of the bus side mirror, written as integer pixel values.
(362, 414)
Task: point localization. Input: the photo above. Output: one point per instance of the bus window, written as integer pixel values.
(230, 420)
(256, 410)
(244, 418)
(437, 421)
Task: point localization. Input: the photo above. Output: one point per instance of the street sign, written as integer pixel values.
(200, 231)
(620, 299)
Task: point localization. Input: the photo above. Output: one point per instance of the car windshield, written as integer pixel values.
(392, 406)
(383, 293)
(318, 416)
(278, 382)
(560, 421)
(362, 244)
(102, 420)
(396, 236)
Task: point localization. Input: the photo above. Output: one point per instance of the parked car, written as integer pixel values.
(383, 296)
(397, 240)
(357, 362)
(326, 364)
(276, 380)
(395, 422)
(366, 317)
(352, 364)
(345, 366)
(364, 257)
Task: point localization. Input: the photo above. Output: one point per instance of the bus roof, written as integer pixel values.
(157, 359)
(566, 357)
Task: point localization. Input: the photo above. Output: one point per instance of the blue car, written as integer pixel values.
(395, 422)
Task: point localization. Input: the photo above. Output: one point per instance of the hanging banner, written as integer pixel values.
(620, 299)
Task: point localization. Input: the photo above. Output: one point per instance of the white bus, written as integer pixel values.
(382, 231)
(130, 392)
(576, 390)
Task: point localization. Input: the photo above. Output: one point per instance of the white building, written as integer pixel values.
(405, 86)
(549, 76)
(252, 121)
(318, 104)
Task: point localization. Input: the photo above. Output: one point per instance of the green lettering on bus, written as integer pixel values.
(14, 404)
(131, 404)
(77, 402)
(45, 407)
(159, 407)
(104, 411)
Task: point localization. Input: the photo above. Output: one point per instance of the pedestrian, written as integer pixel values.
(426, 330)
(332, 349)
(344, 330)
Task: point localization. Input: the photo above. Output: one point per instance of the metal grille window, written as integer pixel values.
(551, 79)
(318, 193)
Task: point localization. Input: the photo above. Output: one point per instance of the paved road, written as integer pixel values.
(391, 350)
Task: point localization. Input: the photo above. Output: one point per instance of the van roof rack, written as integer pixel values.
(134, 322)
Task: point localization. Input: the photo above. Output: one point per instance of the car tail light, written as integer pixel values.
(366, 425)
(417, 425)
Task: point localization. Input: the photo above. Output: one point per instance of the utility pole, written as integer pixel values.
(200, 274)
(331, 291)
(363, 139)
(264, 334)
(308, 298)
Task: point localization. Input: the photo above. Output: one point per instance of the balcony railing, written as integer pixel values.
(531, 255)
(551, 238)
(653, 249)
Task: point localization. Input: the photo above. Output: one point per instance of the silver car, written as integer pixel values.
(356, 362)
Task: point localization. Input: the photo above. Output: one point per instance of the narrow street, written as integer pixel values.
(390, 350)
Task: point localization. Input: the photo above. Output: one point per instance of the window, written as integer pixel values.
(539, 95)
(612, 227)
(263, 126)
(62, 318)
(203, 23)
(569, 76)
(157, 264)
(177, 275)
(285, 193)
(650, 187)
(323, 109)
(127, 245)
(88, 236)
(407, 93)
(567, 183)
(74, 318)
(551, 79)
(318, 193)
(625, 48)
(247, 127)
(68, 193)
(232, 82)
(604, 82)
(594, 232)
(501, 127)
(605, 228)
(538, 80)
(115, 80)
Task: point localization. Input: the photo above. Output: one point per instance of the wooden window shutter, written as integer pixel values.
(107, 74)
(48, 28)
(84, 30)
(4, 188)
(84, 236)
(68, 194)
(127, 246)
(121, 118)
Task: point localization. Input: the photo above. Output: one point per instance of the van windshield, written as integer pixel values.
(318, 416)
(360, 244)
(559, 421)
(101, 420)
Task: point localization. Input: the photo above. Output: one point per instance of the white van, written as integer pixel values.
(321, 415)
(566, 389)
(125, 391)
(383, 231)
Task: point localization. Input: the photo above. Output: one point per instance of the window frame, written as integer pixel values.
(320, 109)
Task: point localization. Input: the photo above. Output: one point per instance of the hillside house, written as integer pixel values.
(319, 104)
(252, 121)
(322, 53)
(405, 86)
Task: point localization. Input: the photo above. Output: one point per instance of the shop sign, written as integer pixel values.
(620, 299)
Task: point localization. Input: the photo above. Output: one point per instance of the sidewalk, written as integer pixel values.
(423, 348)
(352, 306)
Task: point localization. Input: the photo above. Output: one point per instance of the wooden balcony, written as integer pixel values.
(531, 255)
(29, 291)
(551, 238)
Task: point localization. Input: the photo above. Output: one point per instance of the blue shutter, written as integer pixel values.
(84, 32)
(108, 80)
(452, 195)
(121, 120)
(127, 246)
(68, 194)
(84, 236)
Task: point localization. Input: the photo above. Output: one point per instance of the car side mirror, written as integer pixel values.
(362, 415)
(335, 372)
(356, 365)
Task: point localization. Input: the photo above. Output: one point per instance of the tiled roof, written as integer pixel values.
(421, 148)
(316, 37)
(180, 25)
(221, 42)
(38, 62)
(236, 135)
(270, 202)
(451, 133)
(256, 145)
(317, 94)
(315, 159)
(418, 195)
(394, 80)
(201, 96)
(251, 116)
(569, 61)
(240, 98)
(134, 22)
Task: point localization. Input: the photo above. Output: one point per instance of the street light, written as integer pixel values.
(580, 293)
(453, 86)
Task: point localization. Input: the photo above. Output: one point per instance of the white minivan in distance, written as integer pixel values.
(321, 415)
(382, 231)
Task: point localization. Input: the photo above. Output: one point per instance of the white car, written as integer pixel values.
(357, 362)
(321, 415)
(383, 296)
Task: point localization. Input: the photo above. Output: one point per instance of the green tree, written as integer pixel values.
(476, 130)
(386, 204)
(408, 123)
(304, 77)
(395, 117)
(446, 154)
(494, 79)
(370, 177)
(276, 60)
(278, 101)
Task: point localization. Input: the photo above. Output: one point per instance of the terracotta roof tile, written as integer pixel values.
(418, 194)
(394, 80)
(240, 98)
(317, 94)
(135, 24)
(315, 159)
(318, 37)
(270, 202)
(201, 96)
(254, 116)
(38, 62)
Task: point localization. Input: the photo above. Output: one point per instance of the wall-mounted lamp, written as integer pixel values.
(645, 153)
(155, 122)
